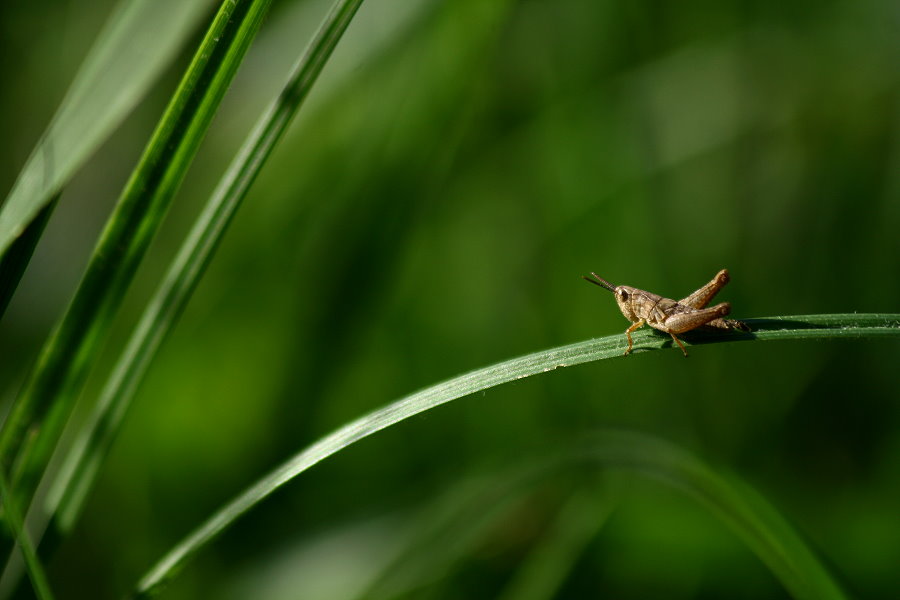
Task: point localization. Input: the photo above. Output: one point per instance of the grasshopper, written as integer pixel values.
(672, 316)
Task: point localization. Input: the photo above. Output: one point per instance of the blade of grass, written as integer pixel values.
(450, 528)
(542, 572)
(13, 263)
(54, 383)
(15, 524)
(115, 75)
(741, 508)
(83, 461)
(810, 327)
(113, 78)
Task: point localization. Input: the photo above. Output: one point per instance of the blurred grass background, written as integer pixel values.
(456, 170)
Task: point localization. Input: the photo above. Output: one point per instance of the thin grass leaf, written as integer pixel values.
(728, 499)
(542, 573)
(53, 385)
(13, 263)
(810, 327)
(14, 522)
(748, 514)
(88, 452)
(140, 39)
(454, 524)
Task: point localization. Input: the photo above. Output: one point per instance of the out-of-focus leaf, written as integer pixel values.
(13, 521)
(83, 462)
(50, 391)
(138, 42)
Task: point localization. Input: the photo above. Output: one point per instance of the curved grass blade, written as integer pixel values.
(835, 326)
(439, 538)
(739, 507)
(54, 383)
(748, 514)
(115, 75)
(14, 522)
(83, 462)
(543, 571)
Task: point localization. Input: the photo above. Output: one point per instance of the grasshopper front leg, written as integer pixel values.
(628, 331)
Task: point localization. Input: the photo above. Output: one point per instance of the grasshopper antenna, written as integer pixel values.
(597, 280)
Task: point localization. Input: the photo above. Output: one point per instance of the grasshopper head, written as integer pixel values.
(623, 295)
(625, 299)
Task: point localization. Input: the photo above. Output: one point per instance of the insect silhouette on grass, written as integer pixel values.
(643, 308)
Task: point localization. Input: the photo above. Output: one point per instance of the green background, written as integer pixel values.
(457, 169)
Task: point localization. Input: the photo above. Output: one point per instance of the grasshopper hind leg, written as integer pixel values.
(704, 295)
(729, 324)
(680, 345)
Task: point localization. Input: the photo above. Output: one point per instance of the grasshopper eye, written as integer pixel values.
(622, 294)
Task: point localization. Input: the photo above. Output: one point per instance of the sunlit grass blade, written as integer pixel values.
(14, 522)
(749, 515)
(115, 75)
(810, 327)
(53, 385)
(164, 308)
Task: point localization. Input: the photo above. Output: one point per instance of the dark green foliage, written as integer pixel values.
(456, 170)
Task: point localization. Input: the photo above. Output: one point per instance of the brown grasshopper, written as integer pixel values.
(667, 315)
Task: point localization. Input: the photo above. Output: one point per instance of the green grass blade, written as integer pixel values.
(750, 516)
(543, 571)
(166, 305)
(14, 523)
(454, 524)
(114, 77)
(834, 326)
(53, 385)
(13, 263)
